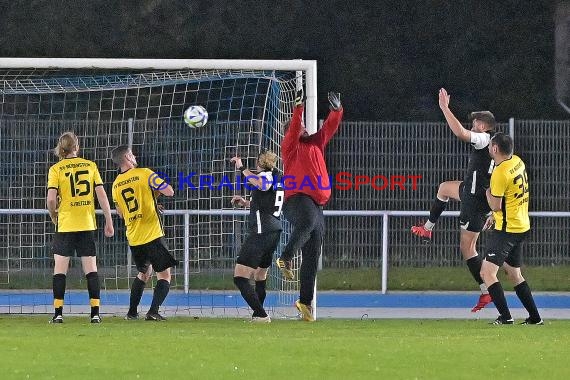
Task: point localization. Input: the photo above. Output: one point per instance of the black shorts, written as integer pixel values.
(65, 243)
(153, 253)
(473, 209)
(505, 247)
(257, 249)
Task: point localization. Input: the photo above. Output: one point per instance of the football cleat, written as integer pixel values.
(502, 321)
(305, 310)
(154, 317)
(285, 268)
(529, 321)
(131, 317)
(56, 319)
(96, 319)
(261, 319)
(484, 300)
(422, 232)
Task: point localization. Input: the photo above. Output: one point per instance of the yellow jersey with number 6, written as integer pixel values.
(510, 182)
(136, 200)
(75, 180)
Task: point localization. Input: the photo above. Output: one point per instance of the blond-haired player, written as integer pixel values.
(256, 252)
(72, 183)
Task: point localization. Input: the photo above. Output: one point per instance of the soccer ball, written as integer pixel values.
(195, 116)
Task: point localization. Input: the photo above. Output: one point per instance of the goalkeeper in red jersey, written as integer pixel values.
(306, 194)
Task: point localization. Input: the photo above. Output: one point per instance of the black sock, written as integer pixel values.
(94, 289)
(160, 292)
(58, 284)
(525, 295)
(137, 289)
(498, 296)
(474, 265)
(437, 208)
(250, 296)
(260, 290)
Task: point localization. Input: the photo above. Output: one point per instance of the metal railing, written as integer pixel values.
(385, 215)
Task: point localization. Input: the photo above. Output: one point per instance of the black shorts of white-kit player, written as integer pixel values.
(263, 223)
(474, 208)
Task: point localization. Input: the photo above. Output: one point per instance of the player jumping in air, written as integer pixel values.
(471, 191)
(256, 253)
(304, 162)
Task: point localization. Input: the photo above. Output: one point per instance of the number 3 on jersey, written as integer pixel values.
(522, 181)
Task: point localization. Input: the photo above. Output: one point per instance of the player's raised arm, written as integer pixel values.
(454, 124)
(295, 128)
(239, 201)
(252, 178)
(332, 122)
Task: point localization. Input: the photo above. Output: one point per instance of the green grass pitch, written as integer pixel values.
(185, 348)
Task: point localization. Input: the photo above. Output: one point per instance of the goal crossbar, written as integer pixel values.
(307, 66)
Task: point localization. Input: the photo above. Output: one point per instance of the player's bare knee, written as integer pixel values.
(488, 272)
(144, 277)
(260, 274)
(514, 275)
(164, 275)
(443, 191)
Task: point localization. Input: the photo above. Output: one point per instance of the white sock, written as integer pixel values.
(429, 225)
(483, 288)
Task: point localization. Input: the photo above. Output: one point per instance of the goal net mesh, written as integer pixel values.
(106, 108)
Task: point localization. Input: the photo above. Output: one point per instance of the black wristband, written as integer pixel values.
(241, 168)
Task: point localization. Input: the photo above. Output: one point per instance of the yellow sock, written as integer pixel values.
(94, 302)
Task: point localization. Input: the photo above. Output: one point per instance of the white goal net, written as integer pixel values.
(109, 102)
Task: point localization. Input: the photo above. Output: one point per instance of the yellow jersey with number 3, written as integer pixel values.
(136, 200)
(509, 181)
(75, 180)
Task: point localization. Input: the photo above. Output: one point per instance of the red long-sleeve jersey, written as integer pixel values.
(304, 167)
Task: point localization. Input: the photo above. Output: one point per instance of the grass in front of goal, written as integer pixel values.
(285, 349)
(552, 278)
(547, 278)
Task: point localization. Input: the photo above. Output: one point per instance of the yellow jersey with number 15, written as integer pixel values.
(75, 180)
(136, 200)
(509, 181)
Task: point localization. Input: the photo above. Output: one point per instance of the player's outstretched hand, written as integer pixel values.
(300, 97)
(443, 99)
(236, 160)
(238, 201)
(334, 101)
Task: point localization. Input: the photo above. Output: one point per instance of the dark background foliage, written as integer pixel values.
(387, 58)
